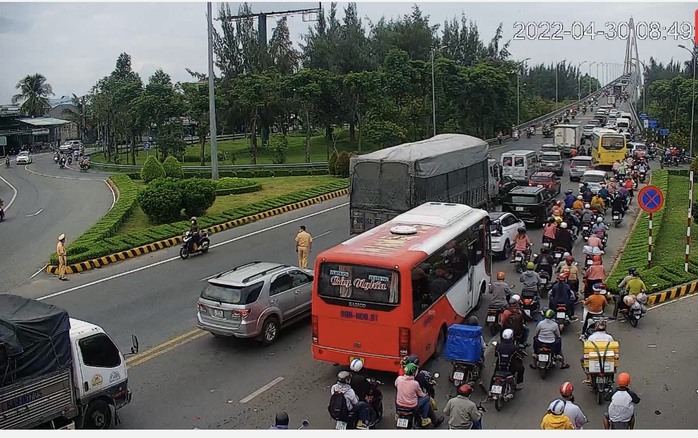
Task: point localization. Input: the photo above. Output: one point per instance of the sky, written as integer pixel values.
(76, 44)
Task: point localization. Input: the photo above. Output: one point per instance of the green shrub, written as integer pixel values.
(246, 174)
(198, 196)
(161, 200)
(152, 169)
(172, 167)
(278, 145)
(282, 172)
(264, 173)
(331, 164)
(229, 183)
(342, 164)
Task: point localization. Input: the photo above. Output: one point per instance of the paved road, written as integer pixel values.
(196, 380)
(49, 202)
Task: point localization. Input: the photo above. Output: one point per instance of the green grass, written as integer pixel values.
(271, 188)
(240, 149)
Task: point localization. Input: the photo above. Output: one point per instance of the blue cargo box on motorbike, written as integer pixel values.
(463, 343)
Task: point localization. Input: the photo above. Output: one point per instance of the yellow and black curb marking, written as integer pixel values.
(162, 244)
(673, 293)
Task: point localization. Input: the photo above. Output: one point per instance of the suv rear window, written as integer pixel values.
(581, 163)
(550, 158)
(593, 178)
(232, 295)
(541, 179)
(523, 199)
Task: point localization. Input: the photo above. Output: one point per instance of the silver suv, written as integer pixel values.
(255, 300)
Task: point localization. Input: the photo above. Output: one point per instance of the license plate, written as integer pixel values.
(543, 280)
(615, 218)
(458, 375)
(527, 312)
(590, 262)
(637, 312)
(585, 228)
(517, 259)
(218, 313)
(496, 389)
(402, 423)
(561, 315)
(543, 357)
(342, 425)
(600, 379)
(595, 366)
(519, 209)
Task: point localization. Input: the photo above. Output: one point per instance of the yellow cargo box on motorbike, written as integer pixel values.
(601, 356)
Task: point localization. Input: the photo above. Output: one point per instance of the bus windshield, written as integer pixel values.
(359, 283)
(612, 143)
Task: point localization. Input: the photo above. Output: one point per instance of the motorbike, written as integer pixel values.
(561, 316)
(2, 213)
(515, 135)
(84, 166)
(492, 318)
(633, 313)
(304, 424)
(61, 164)
(530, 302)
(374, 397)
(520, 260)
(202, 247)
(70, 159)
(643, 177)
(545, 361)
(528, 133)
(55, 159)
(586, 230)
(407, 418)
(545, 284)
(503, 385)
(465, 372)
(602, 373)
(617, 218)
(558, 253)
(7, 162)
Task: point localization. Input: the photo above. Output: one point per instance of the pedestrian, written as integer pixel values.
(60, 250)
(304, 243)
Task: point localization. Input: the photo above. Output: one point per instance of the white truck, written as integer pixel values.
(57, 372)
(567, 137)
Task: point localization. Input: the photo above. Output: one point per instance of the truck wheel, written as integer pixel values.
(98, 415)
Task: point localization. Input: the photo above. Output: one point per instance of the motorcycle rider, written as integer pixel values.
(633, 286)
(612, 186)
(7, 160)
(564, 238)
(411, 396)
(586, 193)
(555, 418)
(572, 411)
(620, 205)
(194, 229)
(569, 198)
(530, 279)
(604, 194)
(621, 410)
(578, 205)
(509, 358)
(594, 274)
(572, 221)
(567, 265)
(462, 412)
(549, 230)
(522, 243)
(560, 294)
(361, 387)
(514, 319)
(595, 241)
(500, 290)
(587, 215)
(2, 210)
(548, 333)
(360, 407)
(595, 305)
(473, 321)
(597, 203)
(545, 262)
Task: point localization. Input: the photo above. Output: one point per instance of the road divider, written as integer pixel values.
(166, 243)
(672, 294)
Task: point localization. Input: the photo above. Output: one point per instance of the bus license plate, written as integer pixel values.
(543, 357)
(402, 423)
(496, 389)
(340, 425)
(561, 315)
(458, 375)
(490, 318)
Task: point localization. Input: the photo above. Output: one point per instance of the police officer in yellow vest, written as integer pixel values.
(60, 251)
(304, 243)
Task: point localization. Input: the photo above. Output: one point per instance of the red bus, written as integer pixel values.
(395, 289)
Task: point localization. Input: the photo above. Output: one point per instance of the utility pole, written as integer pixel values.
(589, 73)
(212, 96)
(579, 84)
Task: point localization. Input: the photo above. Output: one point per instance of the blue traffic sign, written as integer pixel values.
(664, 131)
(651, 199)
(146, 146)
(653, 124)
(643, 115)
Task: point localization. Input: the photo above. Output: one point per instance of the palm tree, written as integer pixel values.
(34, 93)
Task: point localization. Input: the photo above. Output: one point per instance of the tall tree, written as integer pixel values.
(160, 104)
(34, 91)
(195, 100)
(320, 48)
(283, 55)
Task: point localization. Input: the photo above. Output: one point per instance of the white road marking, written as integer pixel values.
(113, 194)
(262, 389)
(35, 214)
(60, 177)
(671, 302)
(38, 272)
(14, 193)
(323, 234)
(171, 259)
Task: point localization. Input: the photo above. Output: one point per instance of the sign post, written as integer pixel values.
(688, 223)
(651, 200)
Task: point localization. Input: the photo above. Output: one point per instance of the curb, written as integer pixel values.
(166, 243)
(672, 294)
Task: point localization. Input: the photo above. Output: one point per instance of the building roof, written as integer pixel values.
(43, 121)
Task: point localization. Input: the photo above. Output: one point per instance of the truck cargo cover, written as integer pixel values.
(34, 338)
(434, 156)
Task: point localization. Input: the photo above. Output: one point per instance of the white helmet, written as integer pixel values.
(566, 254)
(580, 197)
(587, 206)
(563, 225)
(599, 219)
(508, 334)
(514, 299)
(356, 365)
(557, 407)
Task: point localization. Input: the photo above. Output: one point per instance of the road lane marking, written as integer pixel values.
(39, 271)
(171, 259)
(323, 234)
(113, 194)
(60, 177)
(161, 346)
(173, 343)
(14, 193)
(262, 389)
(35, 214)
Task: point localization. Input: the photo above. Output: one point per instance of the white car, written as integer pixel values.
(67, 147)
(24, 157)
(594, 179)
(588, 130)
(503, 229)
(613, 113)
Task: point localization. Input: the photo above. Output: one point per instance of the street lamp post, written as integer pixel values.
(518, 93)
(557, 69)
(433, 89)
(693, 98)
(589, 73)
(598, 77)
(212, 97)
(644, 87)
(579, 84)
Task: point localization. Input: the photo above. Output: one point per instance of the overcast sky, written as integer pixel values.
(76, 44)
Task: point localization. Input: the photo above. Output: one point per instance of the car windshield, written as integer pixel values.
(359, 284)
(594, 179)
(550, 158)
(230, 294)
(23, 153)
(523, 199)
(541, 179)
(580, 163)
(613, 142)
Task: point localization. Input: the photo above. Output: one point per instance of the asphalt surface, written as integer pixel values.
(190, 379)
(49, 201)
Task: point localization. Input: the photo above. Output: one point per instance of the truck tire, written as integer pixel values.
(98, 415)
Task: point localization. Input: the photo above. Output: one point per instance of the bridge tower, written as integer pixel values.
(631, 65)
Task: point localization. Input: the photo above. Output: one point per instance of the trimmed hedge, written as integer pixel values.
(669, 233)
(261, 173)
(83, 247)
(236, 186)
(113, 244)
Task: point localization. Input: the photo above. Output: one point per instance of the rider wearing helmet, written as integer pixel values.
(561, 294)
(597, 203)
(461, 411)
(587, 215)
(555, 418)
(578, 204)
(545, 262)
(564, 238)
(572, 221)
(194, 230)
(522, 243)
(530, 278)
(572, 411)
(621, 410)
(548, 333)
(509, 358)
(280, 421)
(500, 290)
(569, 199)
(549, 230)
(517, 323)
(594, 274)
(595, 304)
(599, 226)
(354, 404)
